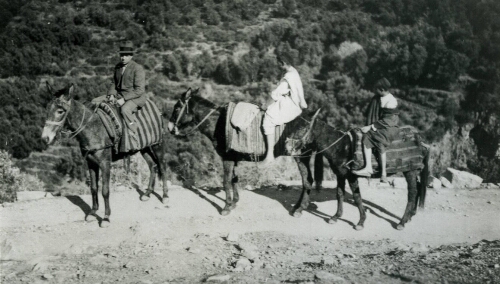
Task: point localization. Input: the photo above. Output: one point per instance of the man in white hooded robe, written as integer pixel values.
(288, 104)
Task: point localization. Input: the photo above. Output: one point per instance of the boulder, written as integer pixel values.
(435, 183)
(445, 182)
(461, 179)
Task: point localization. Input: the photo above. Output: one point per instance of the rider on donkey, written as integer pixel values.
(129, 84)
(382, 124)
(288, 104)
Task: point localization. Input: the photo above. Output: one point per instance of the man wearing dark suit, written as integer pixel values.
(128, 88)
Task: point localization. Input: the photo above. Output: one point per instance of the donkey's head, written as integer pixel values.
(57, 112)
(301, 137)
(183, 114)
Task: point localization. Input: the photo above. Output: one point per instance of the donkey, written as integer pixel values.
(96, 147)
(338, 148)
(192, 112)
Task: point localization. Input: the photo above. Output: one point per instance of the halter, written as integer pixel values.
(185, 109)
(59, 124)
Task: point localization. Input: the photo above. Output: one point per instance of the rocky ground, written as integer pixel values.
(455, 240)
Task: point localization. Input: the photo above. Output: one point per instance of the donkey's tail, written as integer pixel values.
(424, 177)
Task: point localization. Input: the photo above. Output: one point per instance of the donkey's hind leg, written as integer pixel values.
(411, 179)
(228, 186)
(147, 155)
(161, 161)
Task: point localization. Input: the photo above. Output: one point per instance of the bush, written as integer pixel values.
(12, 180)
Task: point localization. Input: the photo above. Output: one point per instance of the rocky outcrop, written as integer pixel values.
(461, 179)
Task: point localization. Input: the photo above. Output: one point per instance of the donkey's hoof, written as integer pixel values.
(359, 227)
(145, 197)
(225, 212)
(332, 221)
(297, 214)
(90, 218)
(104, 224)
(165, 200)
(400, 227)
(232, 206)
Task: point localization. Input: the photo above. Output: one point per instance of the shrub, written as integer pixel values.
(12, 180)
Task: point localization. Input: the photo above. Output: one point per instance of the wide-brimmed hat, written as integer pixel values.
(126, 47)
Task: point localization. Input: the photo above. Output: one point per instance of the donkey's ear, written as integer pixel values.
(49, 88)
(187, 94)
(315, 115)
(71, 89)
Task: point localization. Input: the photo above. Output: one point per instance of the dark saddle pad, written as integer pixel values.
(252, 139)
(405, 152)
(149, 132)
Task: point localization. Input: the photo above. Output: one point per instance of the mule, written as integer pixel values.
(194, 113)
(338, 148)
(96, 147)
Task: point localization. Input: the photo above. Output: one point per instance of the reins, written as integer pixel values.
(185, 109)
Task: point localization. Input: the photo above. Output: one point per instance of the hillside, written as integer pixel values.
(442, 58)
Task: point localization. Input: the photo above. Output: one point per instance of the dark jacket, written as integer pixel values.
(131, 85)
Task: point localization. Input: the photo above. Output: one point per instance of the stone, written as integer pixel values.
(445, 182)
(242, 264)
(249, 187)
(328, 261)
(461, 179)
(327, 277)
(435, 183)
(218, 278)
(232, 237)
(47, 276)
(490, 186)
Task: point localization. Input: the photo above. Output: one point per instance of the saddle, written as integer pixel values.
(149, 131)
(252, 139)
(403, 154)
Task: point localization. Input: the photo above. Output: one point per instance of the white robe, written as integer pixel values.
(289, 100)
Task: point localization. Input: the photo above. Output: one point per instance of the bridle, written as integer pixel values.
(185, 109)
(66, 106)
(302, 143)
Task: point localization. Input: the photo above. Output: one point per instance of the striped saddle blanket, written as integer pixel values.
(149, 132)
(405, 152)
(252, 139)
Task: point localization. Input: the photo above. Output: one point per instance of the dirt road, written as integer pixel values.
(455, 239)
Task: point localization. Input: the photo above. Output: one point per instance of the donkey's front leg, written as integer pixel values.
(234, 185)
(303, 201)
(94, 181)
(148, 157)
(356, 193)
(228, 186)
(105, 170)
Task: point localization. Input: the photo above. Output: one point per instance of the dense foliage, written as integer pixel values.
(442, 57)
